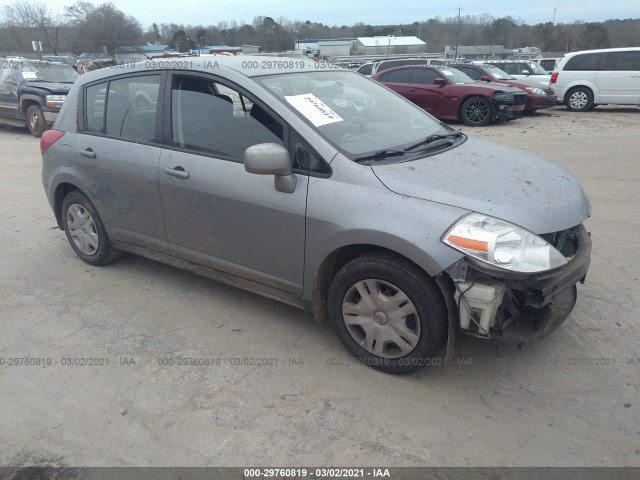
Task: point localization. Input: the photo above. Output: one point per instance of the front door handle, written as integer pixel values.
(176, 172)
(89, 153)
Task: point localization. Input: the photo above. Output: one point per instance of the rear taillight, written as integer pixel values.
(49, 137)
(554, 78)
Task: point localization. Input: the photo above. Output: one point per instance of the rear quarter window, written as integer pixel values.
(623, 61)
(585, 62)
(398, 76)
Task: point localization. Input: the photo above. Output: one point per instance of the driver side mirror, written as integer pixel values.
(439, 81)
(525, 72)
(271, 159)
(485, 78)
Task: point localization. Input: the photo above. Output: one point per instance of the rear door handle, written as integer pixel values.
(89, 153)
(176, 172)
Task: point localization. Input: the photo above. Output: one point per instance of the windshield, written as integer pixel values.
(47, 72)
(537, 69)
(497, 73)
(357, 115)
(456, 76)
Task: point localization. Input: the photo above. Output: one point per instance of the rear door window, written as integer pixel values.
(124, 108)
(585, 62)
(397, 76)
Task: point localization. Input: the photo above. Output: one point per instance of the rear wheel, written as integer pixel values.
(85, 230)
(387, 313)
(35, 121)
(579, 99)
(476, 112)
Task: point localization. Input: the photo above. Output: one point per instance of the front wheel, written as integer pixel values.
(579, 99)
(476, 112)
(387, 313)
(85, 230)
(35, 121)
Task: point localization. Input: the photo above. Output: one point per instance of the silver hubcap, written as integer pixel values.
(82, 229)
(578, 100)
(381, 318)
(33, 121)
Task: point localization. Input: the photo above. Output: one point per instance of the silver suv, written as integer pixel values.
(269, 174)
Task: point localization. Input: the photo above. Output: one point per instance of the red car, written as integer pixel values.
(449, 94)
(539, 95)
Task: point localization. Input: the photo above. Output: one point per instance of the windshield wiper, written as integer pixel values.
(432, 138)
(379, 155)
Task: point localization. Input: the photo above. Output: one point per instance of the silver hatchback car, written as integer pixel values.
(323, 189)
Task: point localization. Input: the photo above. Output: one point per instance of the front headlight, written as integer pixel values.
(502, 244)
(536, 90)
(55, 101)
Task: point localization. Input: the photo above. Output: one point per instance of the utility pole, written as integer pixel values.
(458, 36)
(554, 16)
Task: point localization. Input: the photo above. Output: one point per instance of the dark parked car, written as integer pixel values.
(32, 92)
(538, 95)
(449, 94)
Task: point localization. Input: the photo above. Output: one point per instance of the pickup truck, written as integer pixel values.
(32, 92)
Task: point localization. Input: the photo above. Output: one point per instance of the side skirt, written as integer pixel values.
(217, 275)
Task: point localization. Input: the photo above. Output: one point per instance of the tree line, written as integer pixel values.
(85, 27)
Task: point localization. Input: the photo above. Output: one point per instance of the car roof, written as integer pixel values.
(247, 65)
(502, 61)
(603, 50)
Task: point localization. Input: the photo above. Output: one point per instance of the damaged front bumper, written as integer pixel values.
(509, 105)
(521, 309)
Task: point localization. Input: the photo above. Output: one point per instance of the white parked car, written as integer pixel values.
(588, 78)
(521, 69)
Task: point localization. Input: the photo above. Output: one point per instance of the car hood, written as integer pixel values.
(494, 180)
(485, 88)
(53, 88)
(527, 83)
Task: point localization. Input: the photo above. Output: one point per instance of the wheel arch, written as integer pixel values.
(338, 258)
(581, 84)
(471, 95)
(26, 101)
(62, 190)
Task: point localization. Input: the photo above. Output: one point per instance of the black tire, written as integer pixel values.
(85, 231)
(476, 112)
(35, 121)
(579, 99)
(422, 334)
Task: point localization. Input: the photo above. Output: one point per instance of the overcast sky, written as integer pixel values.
(374, 12)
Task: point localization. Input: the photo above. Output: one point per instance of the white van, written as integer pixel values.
(585, 79)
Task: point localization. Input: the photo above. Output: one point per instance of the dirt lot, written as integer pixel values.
(572, 399)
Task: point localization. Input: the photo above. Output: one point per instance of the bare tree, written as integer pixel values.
(35, 20)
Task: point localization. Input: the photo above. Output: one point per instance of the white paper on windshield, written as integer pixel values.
(29, 75)
(447, 73)
(316, 111)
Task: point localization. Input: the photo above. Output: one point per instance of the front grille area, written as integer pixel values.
(509, 98)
